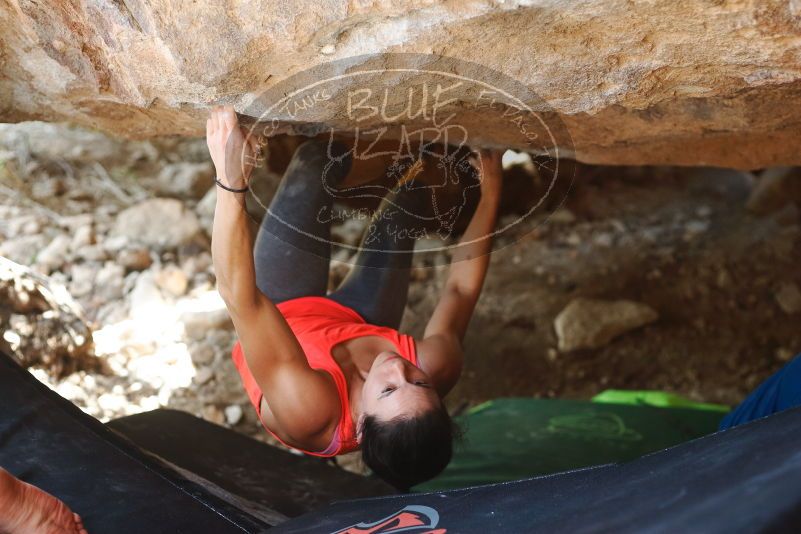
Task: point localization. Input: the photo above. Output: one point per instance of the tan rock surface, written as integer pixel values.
(592, 323)
(665, 81)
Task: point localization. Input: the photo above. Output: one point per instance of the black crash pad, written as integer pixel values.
(249, 469)
(746, 479)
(115, 487)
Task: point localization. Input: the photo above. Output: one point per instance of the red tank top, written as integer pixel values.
(319, 323)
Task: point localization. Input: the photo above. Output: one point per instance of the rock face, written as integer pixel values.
(669, 81)
(591, 323)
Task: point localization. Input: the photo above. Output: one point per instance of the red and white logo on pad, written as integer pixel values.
(413, 519)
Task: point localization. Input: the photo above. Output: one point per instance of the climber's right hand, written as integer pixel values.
(233, 150)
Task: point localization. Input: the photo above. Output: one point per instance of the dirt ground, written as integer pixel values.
(677, 239)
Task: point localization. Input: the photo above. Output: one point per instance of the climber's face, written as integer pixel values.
(394, 387)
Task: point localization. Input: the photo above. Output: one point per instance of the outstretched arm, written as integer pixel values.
(441, 347)
(292, 389)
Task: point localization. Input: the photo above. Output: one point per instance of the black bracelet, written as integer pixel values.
(231, 189)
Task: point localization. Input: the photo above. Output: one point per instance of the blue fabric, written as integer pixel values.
(780, 391)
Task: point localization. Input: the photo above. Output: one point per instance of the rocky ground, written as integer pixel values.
(645, 278)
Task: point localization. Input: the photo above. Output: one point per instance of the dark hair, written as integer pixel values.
(406, 451)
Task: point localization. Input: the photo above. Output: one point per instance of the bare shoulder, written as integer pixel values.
(440, 356)
(303, 411)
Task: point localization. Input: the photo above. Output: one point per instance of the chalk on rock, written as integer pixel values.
(591, 323)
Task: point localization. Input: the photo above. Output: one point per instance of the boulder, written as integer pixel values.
(592, 323)
(659, 82)
(158, 222)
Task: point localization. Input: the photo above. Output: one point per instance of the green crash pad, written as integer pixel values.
(514, 438)
(659, 399)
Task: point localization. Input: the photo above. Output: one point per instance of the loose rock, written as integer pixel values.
(83, 279)
(23, 249)
(775, 189)
(591, 323)
(145, 299)
(203, 375)
(159, 222)
(695, 228)
(83, 237)
(202, 354)
(789, 298)
(135, 259)
(197, 324)
(213, 414)
(110, 282)
(54, 254)
(172, 279)
(186, 179)
(233, 414)
(562, 216)
(92, 253)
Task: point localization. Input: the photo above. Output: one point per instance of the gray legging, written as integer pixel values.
(293, 248)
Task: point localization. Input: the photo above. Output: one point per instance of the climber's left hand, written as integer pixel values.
(488, 164)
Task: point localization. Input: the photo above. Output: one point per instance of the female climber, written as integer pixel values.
(330, 373)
